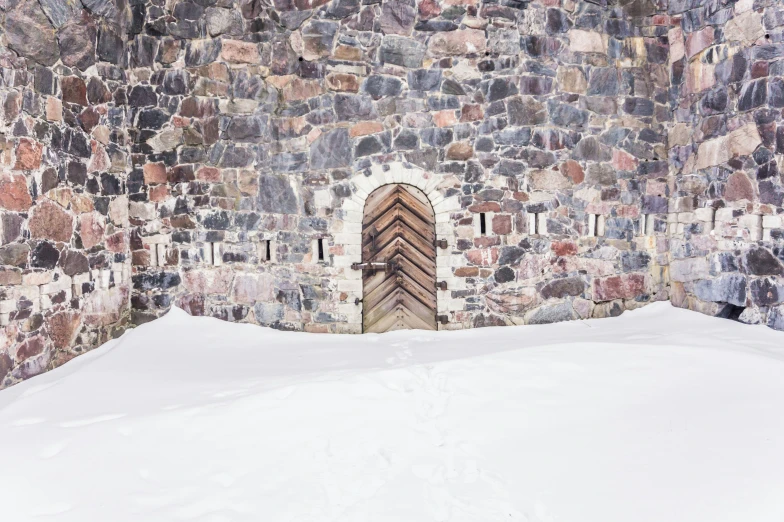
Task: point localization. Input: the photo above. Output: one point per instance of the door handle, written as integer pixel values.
(375, 265)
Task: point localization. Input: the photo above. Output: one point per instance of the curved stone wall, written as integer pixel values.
(193, 153)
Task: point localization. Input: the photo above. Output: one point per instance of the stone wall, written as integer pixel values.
(726, 228)
(263, 124)
(200, 153)
(64, 280)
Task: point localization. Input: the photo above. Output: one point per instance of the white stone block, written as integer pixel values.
(724, 215)
(772, 221)
(705, 214)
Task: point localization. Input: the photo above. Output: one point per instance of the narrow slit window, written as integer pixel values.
(320, 244)
(267, 250)
(482, 224)
(642, 225)
(533, 223)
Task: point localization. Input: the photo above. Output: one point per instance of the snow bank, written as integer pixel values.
(658, 415)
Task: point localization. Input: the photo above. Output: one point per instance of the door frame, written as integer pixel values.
(349, 239)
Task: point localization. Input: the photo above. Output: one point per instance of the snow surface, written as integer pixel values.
(659, 415)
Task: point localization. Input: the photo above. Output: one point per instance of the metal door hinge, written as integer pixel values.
(442, 243)
(443, 319)
(441, 285)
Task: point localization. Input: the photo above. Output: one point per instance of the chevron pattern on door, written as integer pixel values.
(398, 228)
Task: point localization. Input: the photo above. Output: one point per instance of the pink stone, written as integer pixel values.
(236, 51)
(13, 192)
(208, 281)
(209, 174)
(573, 171)
(739, 188)
(28, 154)
(622, 160)
(625, 286)
(698, 41)
(63, 327)
(252, 288)
(91, 230)
(49, 221)
(154, 173)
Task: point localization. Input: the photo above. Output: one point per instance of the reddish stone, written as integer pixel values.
(13, 192)
(30, 348)
(485, 206)
(116, 242)
(63, 327)
(91, 230)
(521, 196)
(155, 173)
(89, 118)
(364, 128)
(625, 286)
(74, 90)
(429, 9)
(158, 193)
(564, 248)
(486, 241)
(28, 154)
(759, 69)
(471, 113)
(209, 174)
(739, 188)
(482, 257)
(444, 118)
(573, 171)
(502, 224)
(49, 221)
(343, 82)
(236, 51)
(208, 281)
(466, 271)
(192, 303)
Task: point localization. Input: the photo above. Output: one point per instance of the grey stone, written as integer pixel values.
(552, 314)
(61, 11)
(378, 86)
(759, 261)
(525, 111)
(565, 287)
(223, 21)
(15, 254)
(425, 80)
(766, 291)
(397, 16)
(398, 50)
(727, 288)
(276, 195)
(23, 19)
(331, 150)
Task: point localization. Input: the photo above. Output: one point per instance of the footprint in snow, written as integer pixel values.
(92, 420)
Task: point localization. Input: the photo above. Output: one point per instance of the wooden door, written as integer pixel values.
(398, 228)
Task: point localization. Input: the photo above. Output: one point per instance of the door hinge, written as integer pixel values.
(441, 285)
(442, 243)
(443, 319)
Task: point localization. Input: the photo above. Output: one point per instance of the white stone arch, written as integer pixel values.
(350, 238)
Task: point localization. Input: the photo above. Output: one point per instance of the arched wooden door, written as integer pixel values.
(398, 260)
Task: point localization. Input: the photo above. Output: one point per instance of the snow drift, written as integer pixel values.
(658, 415)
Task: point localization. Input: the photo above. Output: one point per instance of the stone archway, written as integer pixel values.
(349, 239)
